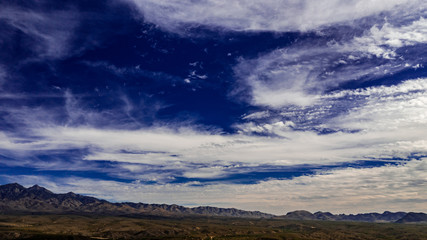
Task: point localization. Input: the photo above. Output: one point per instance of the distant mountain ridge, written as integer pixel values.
(413, 218)
(15, 198)
(361, 217)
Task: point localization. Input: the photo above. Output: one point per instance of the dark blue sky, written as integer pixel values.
(271, 106)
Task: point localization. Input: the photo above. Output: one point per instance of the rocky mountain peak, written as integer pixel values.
(39, 192)
(300, 214)
(12, 186)
(37, 188)
(11, 191)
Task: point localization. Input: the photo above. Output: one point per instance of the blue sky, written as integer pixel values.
(273, 106)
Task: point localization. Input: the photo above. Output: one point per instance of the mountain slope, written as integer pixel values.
(16, 198)
(414, 218)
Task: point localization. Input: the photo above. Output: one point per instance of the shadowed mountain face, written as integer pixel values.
(16, 198)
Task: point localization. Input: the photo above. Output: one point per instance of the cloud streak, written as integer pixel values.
(387, 119)
(271, 15)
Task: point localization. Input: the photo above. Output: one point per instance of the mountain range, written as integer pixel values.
(15, 198)
(398, 217)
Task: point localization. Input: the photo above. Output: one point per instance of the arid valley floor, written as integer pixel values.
(105, 227)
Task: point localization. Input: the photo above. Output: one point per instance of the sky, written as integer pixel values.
(274, 105)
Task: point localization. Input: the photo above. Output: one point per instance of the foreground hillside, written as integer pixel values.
(79, 227)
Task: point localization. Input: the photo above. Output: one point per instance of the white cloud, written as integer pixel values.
(146, 158)
(300, 74)
(257, 115)
(391, 123)
(382, 41)
(403, 89)
(395, 108)
(349, 190)
(195, 147)
(269, 15)
(390, 120)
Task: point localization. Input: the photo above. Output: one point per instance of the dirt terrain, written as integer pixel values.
(105, 227)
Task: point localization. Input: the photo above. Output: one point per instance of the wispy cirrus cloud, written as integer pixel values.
(48, 32)
(386, 123)
(271, 15)
(301, 74)
(395, 108)
(384, 118)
